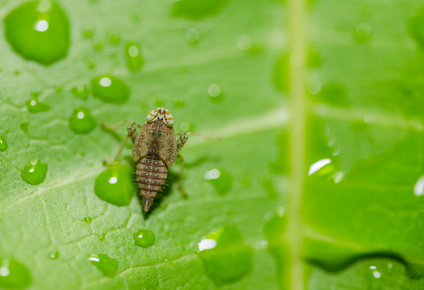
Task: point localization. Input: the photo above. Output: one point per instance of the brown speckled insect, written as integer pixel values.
(155, 148)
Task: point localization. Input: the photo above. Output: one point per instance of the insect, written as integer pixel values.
(155, 149)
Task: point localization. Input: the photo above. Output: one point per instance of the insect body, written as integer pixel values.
(155, 148)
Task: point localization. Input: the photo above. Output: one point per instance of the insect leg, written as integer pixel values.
(132, 133)
(181, 141)
(117, 125)
(180, 177)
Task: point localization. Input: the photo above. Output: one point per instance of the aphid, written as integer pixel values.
(155, 148)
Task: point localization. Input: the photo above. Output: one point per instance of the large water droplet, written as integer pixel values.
(3, 144)
(220, 179)
(133, 54)
(144, 238)
(13, 274)
(225, 257)
(34, 172)
(114, 185)
(81, 121)
(80, 91)
(196, 9)
(108, 266)
(35, 106)
(39, 31)
(110, 89)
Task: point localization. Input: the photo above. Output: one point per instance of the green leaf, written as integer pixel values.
(212, 68)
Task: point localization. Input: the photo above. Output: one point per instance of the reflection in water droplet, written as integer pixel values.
(110, 89)
(13, 274)
(220, 179)
(80, 91)
(114, 185)
(88, 220)
(81, 121)
(144, 238)
(244, 42)
(419, 186)
(363, 30)
(35, 106)
(133, 54)
(3, 144)
(54, 255)
(108, 266)
(192, 35)
(215, 93)
(225, 257)
(38, 31)
(34, 172)
(318, 165)
(195, 9)
(102, 237)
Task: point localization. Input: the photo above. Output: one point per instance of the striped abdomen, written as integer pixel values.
(151, 175)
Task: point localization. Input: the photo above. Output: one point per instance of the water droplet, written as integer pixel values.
(102, 237)
(87, 32)
(318, 165)
(144, 238)
(34, 172)
(316, 54)
(89, 62)
(363, 30)
(98, 44)
(115, 185)
(108, 266)
(334, 94)
(110, 89)
(220, 179)
(215, 93)
(313, 86)
(35, 106)
(195, 9)
(24, 127)
(186, 127)
(225, 257)
(269, 187)
(88, 220)
(111, 51)
(244, 42)
(133, 54)
(13, 274)
(39, 31)
(54, 255)
(114, 37)
(3, 144)
(192, 35)
(58, 88)
(80, 91)
(81, 121)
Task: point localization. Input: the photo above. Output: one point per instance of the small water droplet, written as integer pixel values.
(269, 187)
(220, 179)
(110, 89)
(89, 62)
(111, 51)
(80, 91)
(13, 274)
(3, 144)
(88, 220)
(102, 237)
(35, 106)
(58, 88)
(225, 257)
(108, 266)
(363, 30)
(186, 127)
(34, 172)
(54, 255)
(192, 35)
(115, 185)
(87, 32)
(144, 238)
(24, 127)
(133, 55)
(314, 86)
(81, 121)
(195, 9)
(98, 44)
(215, 93)
(114, 37)
(244, 42)
(39, 31)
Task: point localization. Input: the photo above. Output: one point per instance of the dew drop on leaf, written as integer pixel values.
(13, 274)
(114, 37)
(221, 180)
(192, 35)
(133, 55)
(144, 238)
(39, 31)
(3, 144)
(215, 93)
(81, 121)
(115, 185)
(363, 30)
(87, 32)
(35, 106)
(225, 258)
(108, 266)
(54, 255)
(34, 172)
(186, 127)
(98, 44)
(80, 91)
(24, 127)
(110, 89)
(266, 182)
(102, 237)
(244, 42)
(88, 220)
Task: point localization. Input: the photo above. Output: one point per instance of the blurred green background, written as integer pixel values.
(316, 181)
